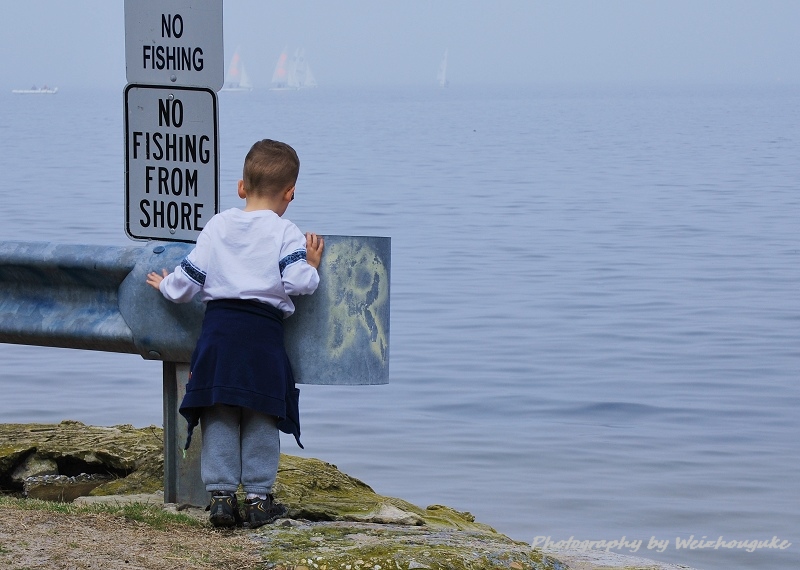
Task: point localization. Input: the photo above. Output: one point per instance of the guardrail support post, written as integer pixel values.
(182, 482)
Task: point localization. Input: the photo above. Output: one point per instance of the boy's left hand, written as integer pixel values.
(314, 246)
(154, 279)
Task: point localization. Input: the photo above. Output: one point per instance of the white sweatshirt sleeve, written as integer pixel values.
(188, 278)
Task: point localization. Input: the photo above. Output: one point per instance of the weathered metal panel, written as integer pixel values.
(340, 334)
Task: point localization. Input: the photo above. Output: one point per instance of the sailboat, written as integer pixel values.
(441, 78)
(292, 74)
(37, 90)
(302, 71)
(280, 77)
(236, 79)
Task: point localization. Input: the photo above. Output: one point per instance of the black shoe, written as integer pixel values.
(224, 510)
(258, 512)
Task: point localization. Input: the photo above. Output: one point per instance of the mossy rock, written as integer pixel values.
(312, 489)
(361, 546)
(133, 457)
(317, 491)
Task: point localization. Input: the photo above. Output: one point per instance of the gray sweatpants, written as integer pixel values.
(239, 446)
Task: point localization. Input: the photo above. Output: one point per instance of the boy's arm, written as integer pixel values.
(188, 278)
(301, 257)
(184, 282)
(181, 285)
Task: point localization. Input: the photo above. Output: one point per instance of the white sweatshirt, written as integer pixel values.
(245, 255)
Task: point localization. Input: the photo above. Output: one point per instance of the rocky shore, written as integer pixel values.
(334, 520)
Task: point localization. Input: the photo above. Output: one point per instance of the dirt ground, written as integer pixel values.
(34, 539)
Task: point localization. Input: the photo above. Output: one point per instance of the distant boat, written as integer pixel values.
(302, 71)
(441, 77)
(280, 77)
(292, 74)
(45, 90)
(237, 79)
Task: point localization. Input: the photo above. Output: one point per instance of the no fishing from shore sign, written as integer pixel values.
(174, 63)
(171, 161)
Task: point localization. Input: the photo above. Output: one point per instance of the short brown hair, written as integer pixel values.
(270, 167)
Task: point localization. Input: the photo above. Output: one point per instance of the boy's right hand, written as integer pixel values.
(154, 279)
(314, 246)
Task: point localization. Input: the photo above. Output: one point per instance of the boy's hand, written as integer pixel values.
(154, 279)
(314, 246)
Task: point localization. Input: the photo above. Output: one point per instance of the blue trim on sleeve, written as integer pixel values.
(299, 255)
(192, 272)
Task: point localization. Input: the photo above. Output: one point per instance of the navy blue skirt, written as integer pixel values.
(240, 360)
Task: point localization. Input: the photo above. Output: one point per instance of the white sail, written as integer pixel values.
(441, 78)
(305, 78)
(244, 80)
(301, 69)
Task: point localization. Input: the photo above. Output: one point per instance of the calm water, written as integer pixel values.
(595, 309)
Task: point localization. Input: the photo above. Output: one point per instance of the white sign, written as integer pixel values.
(174, 42)
(171, 161)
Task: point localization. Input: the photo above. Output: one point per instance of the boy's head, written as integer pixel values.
(270, 167)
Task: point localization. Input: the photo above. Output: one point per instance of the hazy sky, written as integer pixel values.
(81, 42)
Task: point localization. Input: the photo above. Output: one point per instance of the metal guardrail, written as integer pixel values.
(89, 297)
(95, 298)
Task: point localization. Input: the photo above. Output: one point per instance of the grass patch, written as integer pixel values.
(151, 515)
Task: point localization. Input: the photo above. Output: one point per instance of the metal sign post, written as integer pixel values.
(174, 60)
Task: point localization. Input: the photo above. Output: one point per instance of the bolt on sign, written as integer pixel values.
(174, 42)
(171, 161)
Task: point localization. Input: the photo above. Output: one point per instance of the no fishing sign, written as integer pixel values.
(174, 63)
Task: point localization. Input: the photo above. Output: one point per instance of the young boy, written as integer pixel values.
(245, 265)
